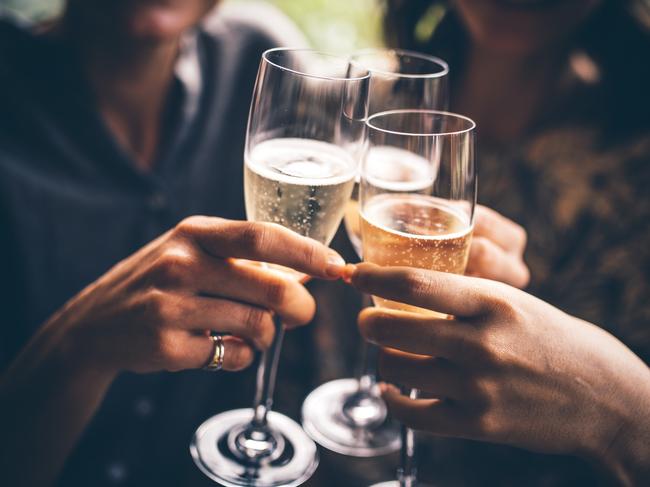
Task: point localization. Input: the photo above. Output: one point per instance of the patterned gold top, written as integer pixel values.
(587, 212)
(579, 183)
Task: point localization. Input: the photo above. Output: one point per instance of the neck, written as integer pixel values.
(505, 93)
(130, 82)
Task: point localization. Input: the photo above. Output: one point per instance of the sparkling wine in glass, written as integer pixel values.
(404, 225)
(299, 171)
(348, 415)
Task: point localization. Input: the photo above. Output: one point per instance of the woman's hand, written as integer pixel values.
(153, 310)
(497, 250)
(508, 368)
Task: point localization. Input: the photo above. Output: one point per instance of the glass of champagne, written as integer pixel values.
(299, 172)
(409, 223)
(348, 415)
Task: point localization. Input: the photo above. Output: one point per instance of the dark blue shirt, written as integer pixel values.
(73, 203)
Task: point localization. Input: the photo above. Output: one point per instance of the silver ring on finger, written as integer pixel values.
(218, 351)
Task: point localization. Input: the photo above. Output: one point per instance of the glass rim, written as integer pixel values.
(414, 54)
(472, 124)
(268, 52)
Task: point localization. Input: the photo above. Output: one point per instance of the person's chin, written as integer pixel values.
(501, 39)
(515, 45)
(158, 24)
(527, 4)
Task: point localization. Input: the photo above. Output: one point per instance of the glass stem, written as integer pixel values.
(367, 374)
(367, 369)
(407, 473)
(266, 375)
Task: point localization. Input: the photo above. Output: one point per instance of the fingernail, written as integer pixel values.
(348, 272)
(386, 388)
(335, 265)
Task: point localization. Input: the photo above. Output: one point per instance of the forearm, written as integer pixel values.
(47, 397)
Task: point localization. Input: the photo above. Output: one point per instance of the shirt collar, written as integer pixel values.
(188, 74)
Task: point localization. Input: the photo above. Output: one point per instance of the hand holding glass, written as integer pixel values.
(299, 172)
(349, 416)
(425, 221)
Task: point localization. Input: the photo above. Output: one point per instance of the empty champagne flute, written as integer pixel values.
(426, 222)
(349, 416)
(299, 170)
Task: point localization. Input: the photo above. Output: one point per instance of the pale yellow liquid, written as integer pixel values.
(416, 231)
(352, 220)
(394, 170)
(301, 184)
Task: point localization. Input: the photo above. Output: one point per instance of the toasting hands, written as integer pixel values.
(152, 311)
(508, 368)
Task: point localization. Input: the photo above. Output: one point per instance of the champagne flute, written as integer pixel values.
(404, 225)
(349, 416)
(299, 171)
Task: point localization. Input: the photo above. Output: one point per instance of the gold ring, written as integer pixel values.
(216, 362)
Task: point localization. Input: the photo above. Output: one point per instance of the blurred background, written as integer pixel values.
(336, 25)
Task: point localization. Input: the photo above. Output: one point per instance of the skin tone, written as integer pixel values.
(151, 311)
(512, 63)
(508, 368)
(128, 50)
(497, 249)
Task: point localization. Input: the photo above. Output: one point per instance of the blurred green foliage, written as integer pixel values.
(337, 25)
(32, 9)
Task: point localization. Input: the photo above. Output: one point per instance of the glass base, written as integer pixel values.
(225, 450)
(345, 421)
(395, 483)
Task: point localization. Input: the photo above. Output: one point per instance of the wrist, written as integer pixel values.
(623, 441)
(71, 352)
(48, 368)
(627, 457)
